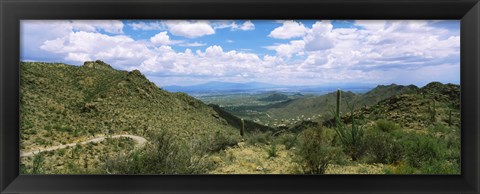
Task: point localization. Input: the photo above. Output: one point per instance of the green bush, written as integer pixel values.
(383, 148)
(222, 140)
(23, 169)
(386, 126)
(258, 137)
(272, 151)
(441, 167)
(439, 128)
(314, 153)
(435, 167)
(402, 169)
(420, 150)
(167, 155)
(38, 160)
(290, 140)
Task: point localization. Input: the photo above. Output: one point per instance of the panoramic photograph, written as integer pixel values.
(161, 97)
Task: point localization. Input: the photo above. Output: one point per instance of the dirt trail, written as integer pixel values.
(140, 141)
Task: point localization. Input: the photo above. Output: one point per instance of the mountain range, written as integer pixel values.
(217, 87)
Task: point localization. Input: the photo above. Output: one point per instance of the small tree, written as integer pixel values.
(315, 154)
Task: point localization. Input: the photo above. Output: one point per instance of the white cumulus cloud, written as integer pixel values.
(80, 46)
(247, 25)
(162, 38)
(287, 50)
(319, 37)
(189, 29)
(289, 29)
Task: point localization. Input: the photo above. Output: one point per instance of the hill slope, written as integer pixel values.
(63, 104)
(322, 105)
(433, 104)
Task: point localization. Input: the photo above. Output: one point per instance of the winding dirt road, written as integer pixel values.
(140, 142)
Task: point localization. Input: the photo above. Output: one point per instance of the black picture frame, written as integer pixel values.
(12, 11)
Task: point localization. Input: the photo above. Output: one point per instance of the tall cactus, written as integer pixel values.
(242, 129)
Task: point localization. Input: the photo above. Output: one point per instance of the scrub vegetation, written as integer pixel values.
(391, 129)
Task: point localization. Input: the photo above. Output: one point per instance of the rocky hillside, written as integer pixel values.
(433, 104)
(62, 104)
(323, 105)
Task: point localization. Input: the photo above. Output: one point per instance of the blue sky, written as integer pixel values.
(301, 52)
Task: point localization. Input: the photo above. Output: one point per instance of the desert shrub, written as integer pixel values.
(440, 128)
(64, 128)
(167, 155)
(61, 152)
(23, 169)
(222, 140)
(40, 141)
(382, 147)
(272, 151)
(48, 128)
(386, 126)
(441, 167)
(453, 147)
(331, 136)
(420, 150)
(258, 137)
(38, 160)
(435, 167)
(402, 169)
(314, 153)
(290, 140)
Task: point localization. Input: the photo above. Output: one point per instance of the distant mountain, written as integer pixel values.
(217, 87)
(323, 105)
(382, 92)
(213, 87)
(275, 97)
(309, 106)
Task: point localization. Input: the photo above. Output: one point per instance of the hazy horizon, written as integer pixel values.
(313, 85)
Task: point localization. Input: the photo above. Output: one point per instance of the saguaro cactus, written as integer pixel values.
(242, 129)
